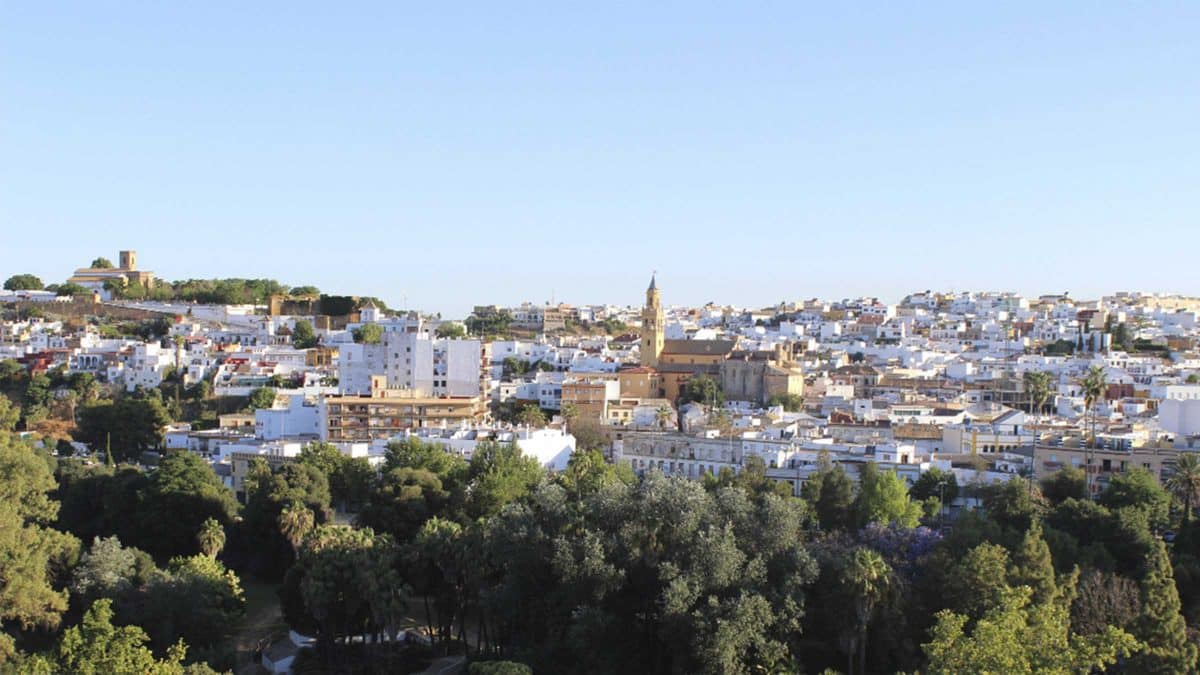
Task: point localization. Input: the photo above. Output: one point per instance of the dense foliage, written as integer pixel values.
(592, 570)
(23, 282)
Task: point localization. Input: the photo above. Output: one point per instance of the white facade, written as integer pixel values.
(299, 419)
(146, 366)
(551, 447)
(1181, 417)
(412, 360)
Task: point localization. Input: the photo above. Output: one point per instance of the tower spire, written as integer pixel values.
(652, 324)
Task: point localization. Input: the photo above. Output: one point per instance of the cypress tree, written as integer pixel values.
(1161, 626)
(1033, 566)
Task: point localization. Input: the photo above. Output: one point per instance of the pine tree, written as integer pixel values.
(1032, 566)
(1161, 626)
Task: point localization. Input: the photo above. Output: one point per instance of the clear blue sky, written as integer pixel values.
(456, 154)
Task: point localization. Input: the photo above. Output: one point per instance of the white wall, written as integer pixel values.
(1181, 417)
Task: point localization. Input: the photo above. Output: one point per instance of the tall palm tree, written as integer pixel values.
(662, 415)
(1185, 482)
(211, 537)
(1094, 385)
(1037, 384)
(295, 521)
(723, 422)
(868, 577)
(569, 413)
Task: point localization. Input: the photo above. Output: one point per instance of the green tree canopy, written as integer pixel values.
(1184, 482)
(702, 389)
(1066, 483)
(349, 583)
(1037, 388)
(67, 289)
(883, 498)
(31, 554)
(9, 415)
(1033, 567)
(101, 263)
(106, 570)
(1017, 636)
(303, 335)
(499, 474)
(866, 578)
(935, 483)
(532, 416)
(831, 493)
(262, 398)
(211, 537)
(97, 647)
(403, 501)
(368, 334)
(1160, 625)
(293, 486)
(130, 425)
(451, 329)
(790, 402)
(413, 453)
(23, 282)
(1139, 488)
(184, 486)
(350, 479)
(196, 598)
(587, 473)
(977, 582)
(1011, 505)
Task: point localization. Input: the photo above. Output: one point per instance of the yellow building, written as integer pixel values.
(757, 376)
(681, 360)
(1102, 463)
(125, 274)
(673, 361)
(388, 412)
(590, 397)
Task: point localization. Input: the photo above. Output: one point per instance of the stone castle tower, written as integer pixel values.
(652, 326)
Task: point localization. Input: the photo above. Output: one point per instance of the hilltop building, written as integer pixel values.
(124, 274)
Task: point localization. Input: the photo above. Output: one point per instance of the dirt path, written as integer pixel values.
(263, 621)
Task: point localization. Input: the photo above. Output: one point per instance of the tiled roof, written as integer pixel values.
(697, 347)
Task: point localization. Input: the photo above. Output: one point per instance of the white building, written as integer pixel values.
(301, 418)
(411, 358)
(551, 447)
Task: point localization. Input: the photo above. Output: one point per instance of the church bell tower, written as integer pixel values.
(652, 326)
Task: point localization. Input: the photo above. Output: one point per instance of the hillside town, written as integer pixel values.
(389, 338)
(989, 386)
(289, 408)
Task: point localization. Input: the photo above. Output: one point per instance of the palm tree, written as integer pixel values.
(295, 521)
(868, 577)
(723, 422)
(1094, 385)
(211, 537)
(1185, 482)
(1037, 383)
(570, 413)
(662, 415)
